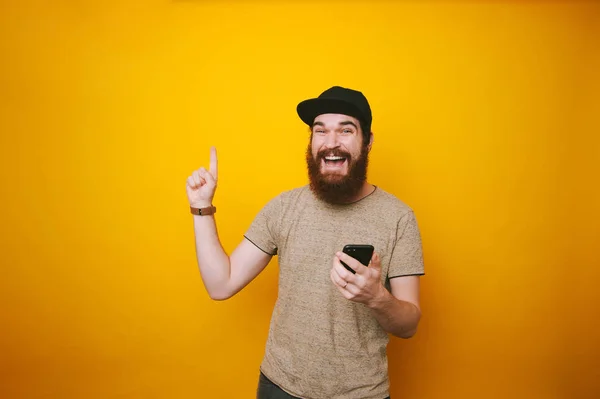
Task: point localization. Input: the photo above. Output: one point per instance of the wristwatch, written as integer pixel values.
(209, 210)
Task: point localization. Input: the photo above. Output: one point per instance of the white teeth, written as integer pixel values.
(334, 158)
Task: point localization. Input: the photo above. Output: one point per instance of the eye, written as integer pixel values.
(320, 131)
(347, 131)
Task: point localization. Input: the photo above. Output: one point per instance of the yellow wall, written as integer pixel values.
(486, 123)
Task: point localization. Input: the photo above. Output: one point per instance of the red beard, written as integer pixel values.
(333, 188)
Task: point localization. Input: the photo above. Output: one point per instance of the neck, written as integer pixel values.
(366, 190)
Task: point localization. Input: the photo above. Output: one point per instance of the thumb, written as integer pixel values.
(376, 261)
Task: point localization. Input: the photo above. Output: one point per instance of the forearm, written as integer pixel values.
(399, 318)
(213, 262)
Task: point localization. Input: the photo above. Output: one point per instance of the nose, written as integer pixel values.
(331, 141)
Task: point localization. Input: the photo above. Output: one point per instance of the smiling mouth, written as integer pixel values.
(334, 161)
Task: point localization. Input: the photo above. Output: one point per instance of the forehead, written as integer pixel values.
(335, 119)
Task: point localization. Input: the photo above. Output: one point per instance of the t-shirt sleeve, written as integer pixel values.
(264, 229)
(407, 256)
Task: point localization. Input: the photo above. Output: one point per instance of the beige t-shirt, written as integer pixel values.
(320, 344)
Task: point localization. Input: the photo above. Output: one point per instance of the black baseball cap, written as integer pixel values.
(337, 100)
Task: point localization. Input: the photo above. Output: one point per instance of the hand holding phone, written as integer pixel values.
(361, 252)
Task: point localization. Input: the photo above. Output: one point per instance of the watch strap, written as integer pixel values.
(209, 210)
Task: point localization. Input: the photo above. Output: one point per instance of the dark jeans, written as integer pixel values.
(268, 390)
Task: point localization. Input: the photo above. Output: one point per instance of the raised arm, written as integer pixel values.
(223, 275)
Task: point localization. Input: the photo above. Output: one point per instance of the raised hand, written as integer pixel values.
(202, 184)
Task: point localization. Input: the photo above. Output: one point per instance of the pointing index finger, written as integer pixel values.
(213, 162)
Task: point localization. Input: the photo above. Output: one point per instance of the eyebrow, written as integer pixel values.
(343, 123)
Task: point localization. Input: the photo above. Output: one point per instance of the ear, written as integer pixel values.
(371, 138)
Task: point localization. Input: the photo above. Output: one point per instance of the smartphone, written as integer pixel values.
(361, 252)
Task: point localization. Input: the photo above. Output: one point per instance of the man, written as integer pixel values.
(329, 330)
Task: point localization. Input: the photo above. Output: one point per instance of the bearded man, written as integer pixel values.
(330, 325)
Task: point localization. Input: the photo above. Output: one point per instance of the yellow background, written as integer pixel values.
(486, 121)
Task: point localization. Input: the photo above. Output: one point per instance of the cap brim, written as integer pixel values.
(308, 110)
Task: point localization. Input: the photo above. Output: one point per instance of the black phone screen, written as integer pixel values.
(360, 252)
